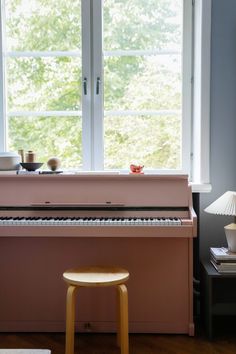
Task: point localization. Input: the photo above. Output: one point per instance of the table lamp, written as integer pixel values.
(226, 205)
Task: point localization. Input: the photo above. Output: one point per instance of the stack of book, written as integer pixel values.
(223, 260)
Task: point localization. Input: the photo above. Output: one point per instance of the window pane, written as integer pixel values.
(48, 81)
(36, 84)
(43, 25)
(142, 24)
(143, 82)
(152, 141)
(143, 74)
(48, 137)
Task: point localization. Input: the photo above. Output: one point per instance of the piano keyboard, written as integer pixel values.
(90, 221)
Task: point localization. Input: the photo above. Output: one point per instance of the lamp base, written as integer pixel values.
(230, 233)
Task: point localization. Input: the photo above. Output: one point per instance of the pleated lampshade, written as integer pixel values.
(224, 205)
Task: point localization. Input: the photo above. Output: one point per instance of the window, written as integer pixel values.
(100, 84)
(43, 68)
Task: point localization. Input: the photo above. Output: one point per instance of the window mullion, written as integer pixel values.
(97, 90)
(86, 86)
(3, 122)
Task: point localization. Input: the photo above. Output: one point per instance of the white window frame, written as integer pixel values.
(87, 137)
(3, 122)
(201, 96)
(97, 91)
(187, 65)
(186, 88)
(196, 82)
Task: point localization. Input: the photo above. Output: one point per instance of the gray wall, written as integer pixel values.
(223, 121)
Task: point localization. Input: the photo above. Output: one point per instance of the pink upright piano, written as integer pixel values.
(49, 223)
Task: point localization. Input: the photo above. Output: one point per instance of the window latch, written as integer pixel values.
(85, 85)
(98, 85)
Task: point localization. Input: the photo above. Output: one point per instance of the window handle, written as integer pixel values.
(98, 85)
(85, 85)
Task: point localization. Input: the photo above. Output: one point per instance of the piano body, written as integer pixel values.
(49, 223)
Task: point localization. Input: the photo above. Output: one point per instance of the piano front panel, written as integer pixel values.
(33, 293)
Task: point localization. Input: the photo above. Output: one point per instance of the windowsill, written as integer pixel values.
(201, 187)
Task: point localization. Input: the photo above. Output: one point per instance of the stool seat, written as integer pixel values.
(96, 276)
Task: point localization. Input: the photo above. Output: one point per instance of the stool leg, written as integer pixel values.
(118, 317)
(70, 319)
(123, 333)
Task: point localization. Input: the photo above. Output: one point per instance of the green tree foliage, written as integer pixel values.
(132, 82)
(141, 24)
(48, 137)
(43, 25)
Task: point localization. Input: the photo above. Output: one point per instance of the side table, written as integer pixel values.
(218, 291)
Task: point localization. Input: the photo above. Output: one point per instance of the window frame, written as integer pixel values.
(98, 162)
(201, 95)
(196, 82)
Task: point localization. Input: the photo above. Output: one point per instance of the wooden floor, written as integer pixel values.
(139, 343)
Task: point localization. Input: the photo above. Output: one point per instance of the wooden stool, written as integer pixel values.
(93, 277)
